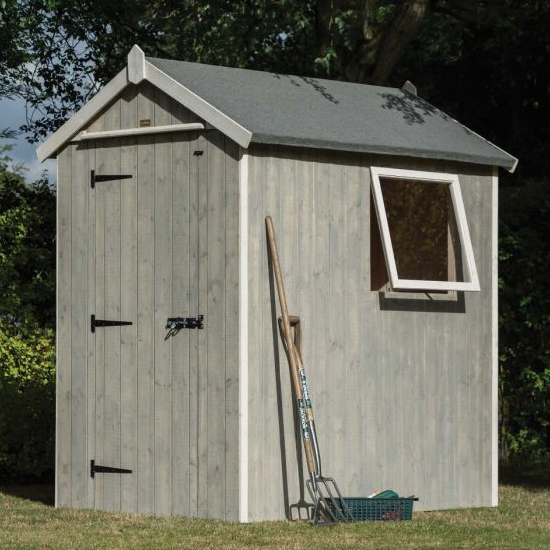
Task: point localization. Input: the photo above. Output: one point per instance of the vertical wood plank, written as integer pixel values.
(256, 240)
(128, 305)
(490, 464)
(278, 190)
(109, 119)
(417, 390)
(112, 382)
(369, 350)
(80, 183)
(232, 284)
(146, 294)
(91, 340)
(163, 307)
(337, 329)
(354, 250)
(319, 323)
(305, 308)
(202, 335)
(215, 333)
(180, 342)
(475, 352)
(479, 348)
(180, 114)
(64, 330)
(110, 152)
(494, 338)
(99, 335)
(194, 306)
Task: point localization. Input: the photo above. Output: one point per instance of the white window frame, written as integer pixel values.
(472, 281)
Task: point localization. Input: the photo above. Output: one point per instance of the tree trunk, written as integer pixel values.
(402, 29)
(323, 31)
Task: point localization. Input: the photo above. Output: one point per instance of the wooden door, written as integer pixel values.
(145, 269)
(114, 273)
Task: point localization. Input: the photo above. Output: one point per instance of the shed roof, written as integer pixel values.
(312, 112)
(262, 107)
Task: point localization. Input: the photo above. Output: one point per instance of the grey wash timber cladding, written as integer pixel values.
(400, 383)
(163, 243)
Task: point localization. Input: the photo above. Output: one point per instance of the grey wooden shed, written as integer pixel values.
(386, 213)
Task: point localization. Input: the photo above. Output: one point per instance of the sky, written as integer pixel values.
(12, 115)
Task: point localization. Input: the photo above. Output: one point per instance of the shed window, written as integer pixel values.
(422, 234)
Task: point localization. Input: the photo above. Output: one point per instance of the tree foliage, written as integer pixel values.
(83, 44)
(27, 401)
(27, 250)
(525, 322)
(485, 62)
(27, 310)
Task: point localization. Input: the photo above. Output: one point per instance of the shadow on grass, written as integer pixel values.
(533, 477)
(39, 492)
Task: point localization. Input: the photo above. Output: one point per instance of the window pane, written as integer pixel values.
(422, 229)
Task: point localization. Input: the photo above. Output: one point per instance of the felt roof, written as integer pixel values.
(329, 114)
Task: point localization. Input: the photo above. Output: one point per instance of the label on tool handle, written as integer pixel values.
(303, 418)
(305, 391)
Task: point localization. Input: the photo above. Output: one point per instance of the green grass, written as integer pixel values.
(522, 521)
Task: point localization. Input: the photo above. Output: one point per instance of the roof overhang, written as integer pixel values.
(137, 70)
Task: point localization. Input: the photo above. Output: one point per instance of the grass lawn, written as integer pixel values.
(522, 521)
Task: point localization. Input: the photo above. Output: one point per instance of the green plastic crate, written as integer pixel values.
(378, 509)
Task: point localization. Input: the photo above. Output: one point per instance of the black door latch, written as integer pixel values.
(177, 323)
(97, 469)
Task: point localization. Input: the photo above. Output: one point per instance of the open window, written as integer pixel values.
(422, 234)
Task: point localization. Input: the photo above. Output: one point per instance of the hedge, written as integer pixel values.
(27, 402)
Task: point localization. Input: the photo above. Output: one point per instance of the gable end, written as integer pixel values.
(138, 70)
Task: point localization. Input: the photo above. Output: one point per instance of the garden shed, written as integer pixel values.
(386, 214)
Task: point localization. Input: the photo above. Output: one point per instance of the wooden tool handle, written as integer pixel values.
(292, 353)
(295, 324)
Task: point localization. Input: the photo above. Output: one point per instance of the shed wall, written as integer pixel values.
(177, 398)
(401, 383)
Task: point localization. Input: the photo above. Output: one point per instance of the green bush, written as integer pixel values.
(27, 250)
(27, 402)
(27, 313)
(524, 323)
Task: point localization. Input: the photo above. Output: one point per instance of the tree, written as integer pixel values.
(27, 251)
(524, 324)
(485, 62)
(27, 402)
(11, 53)
(72, 47)
(27, 313)
(83, 44)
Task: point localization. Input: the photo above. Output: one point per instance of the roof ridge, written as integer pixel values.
(261, 71)
(250, 105)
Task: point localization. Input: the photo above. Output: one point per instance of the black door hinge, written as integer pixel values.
(104, 323)
(177, 323)
(198, 153)
(94, 178)
(97, 469)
